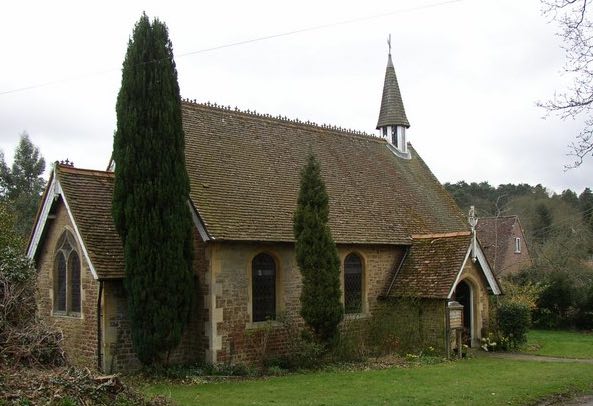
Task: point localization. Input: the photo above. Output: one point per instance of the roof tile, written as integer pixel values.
(244, 171)
(431, 267)
(88, 194)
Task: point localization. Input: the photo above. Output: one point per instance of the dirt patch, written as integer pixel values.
(567, 400)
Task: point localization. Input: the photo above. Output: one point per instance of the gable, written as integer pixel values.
(86, 196)
(497, 237)
(433, 265)
(245, 168)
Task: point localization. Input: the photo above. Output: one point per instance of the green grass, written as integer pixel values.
(484, 381)
(565, 344)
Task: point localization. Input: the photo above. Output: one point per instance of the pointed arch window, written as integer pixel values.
(67, 296)
(263, 288)
(353, 284)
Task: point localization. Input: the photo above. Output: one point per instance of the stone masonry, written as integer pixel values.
(80, 330)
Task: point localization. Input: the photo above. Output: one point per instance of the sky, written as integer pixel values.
(470, 73)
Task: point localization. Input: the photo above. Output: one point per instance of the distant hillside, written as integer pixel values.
(545, 216)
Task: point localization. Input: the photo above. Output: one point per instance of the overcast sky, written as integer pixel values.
(470, 73)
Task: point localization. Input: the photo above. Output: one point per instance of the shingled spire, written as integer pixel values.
(392, 116)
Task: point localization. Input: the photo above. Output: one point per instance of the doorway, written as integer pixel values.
(463, 294)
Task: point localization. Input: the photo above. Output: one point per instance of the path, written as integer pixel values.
(540, 358)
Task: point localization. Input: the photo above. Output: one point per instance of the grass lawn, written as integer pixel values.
(566, 344)
(481, 380)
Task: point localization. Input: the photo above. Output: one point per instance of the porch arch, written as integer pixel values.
(467, 294)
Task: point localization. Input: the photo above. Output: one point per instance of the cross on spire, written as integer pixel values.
(389, 43)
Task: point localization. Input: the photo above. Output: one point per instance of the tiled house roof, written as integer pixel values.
(88, 194)
(392, 110)
(431, 266)
(244, 172)
(493, 233)
(497, 235)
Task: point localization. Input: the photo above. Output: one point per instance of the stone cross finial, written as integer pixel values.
(472, 218)
(473, 221)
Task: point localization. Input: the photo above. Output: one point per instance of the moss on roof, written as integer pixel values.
(88, 194)
(244, 173)
(431, 266)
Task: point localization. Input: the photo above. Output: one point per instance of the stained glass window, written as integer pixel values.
(67, 297)
(263, 287)
(352, 284)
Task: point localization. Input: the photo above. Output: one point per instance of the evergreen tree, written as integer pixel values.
(586, 206)
(151, 193)
(316, 255)
(542, 224)
(21, 185)
(570, 197)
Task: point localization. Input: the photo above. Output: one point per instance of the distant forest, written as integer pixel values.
(559, 233)
(544, 216)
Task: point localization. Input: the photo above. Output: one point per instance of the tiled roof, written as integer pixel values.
(88, 194)
(431, 266)
(244, 173)
(244, 170)
(494, 234)
(392, 110)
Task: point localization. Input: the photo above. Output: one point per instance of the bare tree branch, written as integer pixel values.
(576, 31)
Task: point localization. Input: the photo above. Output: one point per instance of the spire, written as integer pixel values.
(392, 111)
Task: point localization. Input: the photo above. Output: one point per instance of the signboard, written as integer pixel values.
(455, 315)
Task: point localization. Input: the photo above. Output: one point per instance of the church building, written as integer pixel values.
(398, 233)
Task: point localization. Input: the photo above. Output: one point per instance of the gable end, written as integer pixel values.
(53, 192)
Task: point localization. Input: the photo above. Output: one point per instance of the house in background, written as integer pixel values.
(503, 241)
(398, 233)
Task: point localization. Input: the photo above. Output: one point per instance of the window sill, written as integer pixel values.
(64, 315)
(356, 316)
(257, 325)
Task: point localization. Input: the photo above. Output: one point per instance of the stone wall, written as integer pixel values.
(221, 327)
(232, 335)
(415, 324)
(118, 353)
(80, 329)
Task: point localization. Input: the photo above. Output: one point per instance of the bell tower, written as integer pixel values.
(393, 123)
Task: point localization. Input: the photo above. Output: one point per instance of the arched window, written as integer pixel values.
(353, 284)
(67, 276)
(263, 287)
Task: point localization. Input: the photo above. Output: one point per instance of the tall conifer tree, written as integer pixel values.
(317, 255)
(151, 193)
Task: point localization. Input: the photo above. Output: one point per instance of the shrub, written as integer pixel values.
(304, 352)
(24, 339)
(584, 318)
(514, 320)
(350, 345)
(526, 292)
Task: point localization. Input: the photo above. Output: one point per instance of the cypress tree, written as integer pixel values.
(542, 223)
(316, 255)
(151, 193)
